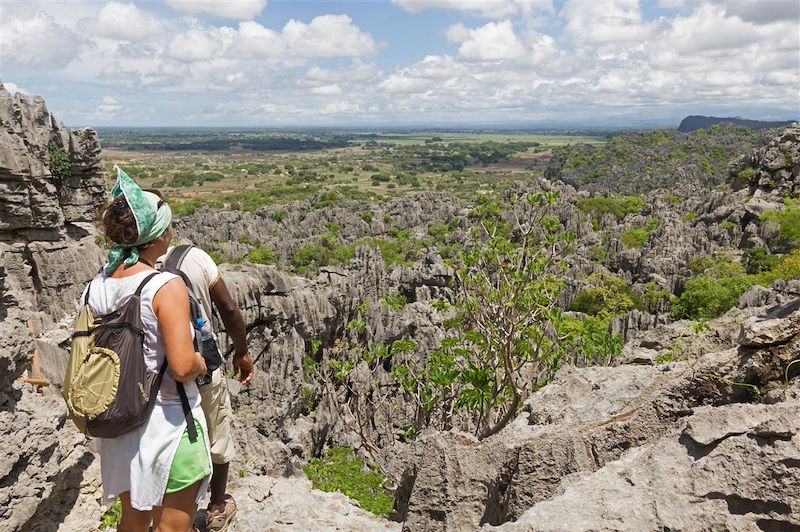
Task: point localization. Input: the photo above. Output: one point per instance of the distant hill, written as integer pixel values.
(643, 161)
(695, 122)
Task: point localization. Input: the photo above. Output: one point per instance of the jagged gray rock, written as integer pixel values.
(700, 476)
(47, 248)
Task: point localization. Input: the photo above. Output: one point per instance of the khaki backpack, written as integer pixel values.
(107, 387)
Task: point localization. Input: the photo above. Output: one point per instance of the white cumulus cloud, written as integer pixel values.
(36, 40)
(200, 44)
(122, 22)
(484, 8)
(495, 41)
(325, 36)
(236, 9)
(327, 90)
(605, 22)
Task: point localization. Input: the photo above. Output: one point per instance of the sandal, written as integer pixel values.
(218, 521)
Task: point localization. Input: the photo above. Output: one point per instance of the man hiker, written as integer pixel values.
(209, 287)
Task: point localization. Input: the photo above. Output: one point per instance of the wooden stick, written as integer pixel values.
(37, 382)
(36, 370)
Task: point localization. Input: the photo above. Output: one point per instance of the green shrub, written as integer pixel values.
(330, 251)
(597, 253)
(757, 260)
(589, 341)
(366, 216)
(246, 240)
(689, 216)
(111, 517)
(277, 215)
(788, 267)
(326, 199)
(340, 470)
(261, 255)
(706, 296)
(788, 221)
(718, 265)
(438, 231)
(610, 296)
(619, 206)
(304, 255)
(395, 301)
(653, 296)
(745, 175)
(727, 225)
(673, 199)
(635, 237)
(59, 162)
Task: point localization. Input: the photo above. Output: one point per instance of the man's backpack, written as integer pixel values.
(205, 343)
(107, 387)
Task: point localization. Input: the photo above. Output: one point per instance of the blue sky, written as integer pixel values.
(402, 62)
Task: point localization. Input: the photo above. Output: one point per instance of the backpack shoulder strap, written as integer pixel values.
(141, 286)
(176, 256)
(86, 296)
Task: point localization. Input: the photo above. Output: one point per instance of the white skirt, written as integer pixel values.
(140, 460)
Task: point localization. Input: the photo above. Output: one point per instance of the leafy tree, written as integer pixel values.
(499, 345)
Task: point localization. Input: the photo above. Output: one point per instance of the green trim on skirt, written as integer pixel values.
(190, 463)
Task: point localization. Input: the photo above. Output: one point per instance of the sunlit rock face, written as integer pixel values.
(47, 252)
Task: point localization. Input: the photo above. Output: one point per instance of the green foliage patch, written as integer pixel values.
(619, 206)
(722, 281)
(610, 295)
(788, 221)
(261, 255)
(59, 162)
(112, 516)
(635, 237)
(340, 470)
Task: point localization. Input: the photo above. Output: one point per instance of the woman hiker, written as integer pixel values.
(158, 473)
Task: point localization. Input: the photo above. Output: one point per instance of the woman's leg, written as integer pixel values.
(178, 510)
(133, 520)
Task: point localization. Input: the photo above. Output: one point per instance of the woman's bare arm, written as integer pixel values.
(171, 306)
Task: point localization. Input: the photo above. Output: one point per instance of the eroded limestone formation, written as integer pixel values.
(47, 250)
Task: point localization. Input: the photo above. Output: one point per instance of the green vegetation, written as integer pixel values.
(261, 255)
(59, 162)
(340, 470)
(277, 215)
(788, 221)
(717, 289)
(248, 169)
(497, 349)
(689, 216)
(619, 206)
(635, 237)
(111, 517)
(643, 161)
(609, 296)
(745, 175)
(395, 301)
(589, 341)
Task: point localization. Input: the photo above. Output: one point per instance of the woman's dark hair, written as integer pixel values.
(116, 222)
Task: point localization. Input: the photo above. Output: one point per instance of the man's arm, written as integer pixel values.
(234, 326)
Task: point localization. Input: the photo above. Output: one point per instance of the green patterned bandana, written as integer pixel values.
(151, 220)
